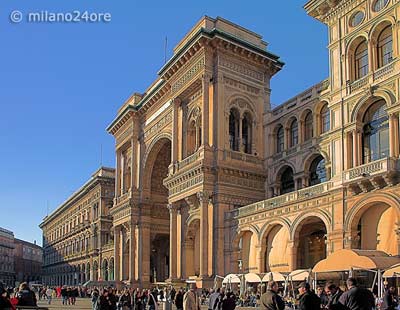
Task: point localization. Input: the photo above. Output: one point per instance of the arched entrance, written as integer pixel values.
(275, 249)
(374, 228)
(192, 248)
(156, 170)
(310, 236)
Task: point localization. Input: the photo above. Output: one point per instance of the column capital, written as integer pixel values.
(176, 101)
(204, 196)
(173, 207)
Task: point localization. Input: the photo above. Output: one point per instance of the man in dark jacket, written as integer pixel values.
(270, 300)
(25, 296)
(389, 301)
(307, 299)
(179, 299)
(357, 298)
(333, 292)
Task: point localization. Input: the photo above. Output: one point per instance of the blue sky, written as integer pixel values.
(61, 84)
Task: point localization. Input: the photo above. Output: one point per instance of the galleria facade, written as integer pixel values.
(211, 180)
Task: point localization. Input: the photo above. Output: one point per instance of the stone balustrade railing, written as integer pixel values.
(385, 70)
(359, 83)
(372, 168)
(249, 158)
(278, 201)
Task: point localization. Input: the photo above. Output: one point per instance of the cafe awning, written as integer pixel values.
(273, 276)
(344, 260)
(392, 272)
(252, 278)
(299, 275)
(231, 278)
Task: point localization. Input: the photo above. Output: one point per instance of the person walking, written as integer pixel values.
(389, 300)
(179, 300)
(105, 302)
(25, 296)
(95, 299)
(190, 300)
(213, 299)
(229, 303)
(307, 299)
(49, 293)
(333, 292)
(357, 298)
(5, 303)
(125, 300)
(270, 300)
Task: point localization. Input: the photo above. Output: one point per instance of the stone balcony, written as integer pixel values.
(276, 202)
(371, 176)
(240, 156)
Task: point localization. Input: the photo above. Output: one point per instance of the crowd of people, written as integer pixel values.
(329, 297)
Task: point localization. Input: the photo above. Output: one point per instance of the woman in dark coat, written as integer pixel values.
(105, 303)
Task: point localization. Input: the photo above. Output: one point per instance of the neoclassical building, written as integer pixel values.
(77, 236)
(211, 180)
(332, 155)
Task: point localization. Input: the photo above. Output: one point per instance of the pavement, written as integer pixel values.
(81, 304)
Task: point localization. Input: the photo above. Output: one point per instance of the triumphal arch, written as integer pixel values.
(189, 150)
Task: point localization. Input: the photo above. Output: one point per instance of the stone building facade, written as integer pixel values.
(333, 155)
(211, 180)
(180, 166)
(77, 236)
(7, 272)
(28, 260)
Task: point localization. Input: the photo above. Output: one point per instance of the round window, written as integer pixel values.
(379, 5)
(357, 18)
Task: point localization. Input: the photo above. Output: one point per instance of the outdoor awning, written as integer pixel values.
(273, 276)
(252, 278)
(299, 275)
(343, 260)
(393, 271)
(231, 278)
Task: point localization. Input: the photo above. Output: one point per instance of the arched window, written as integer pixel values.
(385, 47)
(317, 171)
(234, 120)
(361, 60)
(308, 126)
(280, 135)
(191, 138)
(247, 133)
(375, 133)
(287, 181)
(294, 133)
(193, 132)
(325, 119)
(379, 5)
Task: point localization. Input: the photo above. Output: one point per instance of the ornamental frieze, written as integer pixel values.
(188, 76)
(241, 86)
(239, 68)
(240, 181)
(185, 185)
(157, 127)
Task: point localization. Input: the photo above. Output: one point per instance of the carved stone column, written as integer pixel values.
(174, 149)
(292, 259)
(118, 173)
(132, 252)
(117, 258)
(203, 198)
(173, 235)
(205, 109)
(394, 135)
(355, 148)
(121, 255)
